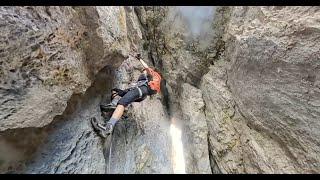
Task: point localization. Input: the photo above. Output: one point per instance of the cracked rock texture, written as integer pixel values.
(141, 143)
(50, 56)
(50, 53)
(242, 83)
(259, 82)
(273, 78)
(192, 107)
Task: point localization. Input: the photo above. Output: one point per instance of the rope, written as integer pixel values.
(125, 136)
(110, 153)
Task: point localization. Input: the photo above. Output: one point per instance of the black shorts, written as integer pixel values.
(131, 95)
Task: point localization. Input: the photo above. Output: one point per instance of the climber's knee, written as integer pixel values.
(129, 97)
(115, 92)
(124, 102)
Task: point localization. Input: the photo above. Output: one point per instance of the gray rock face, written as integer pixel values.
(260, 91)
(242, 87)
(185, 58)
(274, 81)
(192, 107)
(50, 56)
(49, 53)
(265, 122)
(141, 143)
(74, 148)
(223, 138)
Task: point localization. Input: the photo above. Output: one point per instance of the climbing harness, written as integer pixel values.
(140, 92)
(139, 84)
(142, 82)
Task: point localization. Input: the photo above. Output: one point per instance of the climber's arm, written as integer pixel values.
(142, 62)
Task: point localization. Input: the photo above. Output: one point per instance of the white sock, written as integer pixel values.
(113, 121)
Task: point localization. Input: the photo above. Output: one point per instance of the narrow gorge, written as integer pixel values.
(242, 91)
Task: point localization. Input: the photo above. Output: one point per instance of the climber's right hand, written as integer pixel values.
(138, 56)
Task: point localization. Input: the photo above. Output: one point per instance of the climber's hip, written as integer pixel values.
(134, 94)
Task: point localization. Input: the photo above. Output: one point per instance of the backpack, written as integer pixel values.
(156, 79)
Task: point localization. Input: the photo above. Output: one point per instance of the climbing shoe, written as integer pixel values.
(111, 106)
(103, 130)
(108, 107)
(109, 128)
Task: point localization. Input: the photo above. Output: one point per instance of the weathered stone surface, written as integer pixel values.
(184, 58)
(49, 53)
(219, 110)
(273, 80)
(192, 107)
(73, 148)
(261, 124)
(177, 51)
(244, 87)
(141, 143)
(261, 92)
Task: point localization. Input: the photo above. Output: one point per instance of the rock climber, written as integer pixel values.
(148, 84)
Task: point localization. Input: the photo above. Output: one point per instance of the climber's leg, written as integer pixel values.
(99, 127)
(111, 106)
(116, 95)
(131, 96)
